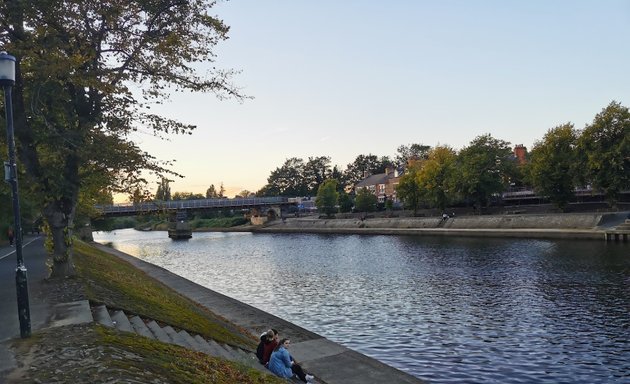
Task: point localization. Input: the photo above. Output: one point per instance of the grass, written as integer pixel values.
(116, 283)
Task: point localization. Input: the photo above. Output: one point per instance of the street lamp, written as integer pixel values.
(7, 80)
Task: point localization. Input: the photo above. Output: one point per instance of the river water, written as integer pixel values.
(446, 310)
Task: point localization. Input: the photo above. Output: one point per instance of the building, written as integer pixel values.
(382, 185)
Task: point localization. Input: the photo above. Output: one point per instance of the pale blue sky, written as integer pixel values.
(343, 78)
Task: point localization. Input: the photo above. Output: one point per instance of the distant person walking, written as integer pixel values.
(11, 236)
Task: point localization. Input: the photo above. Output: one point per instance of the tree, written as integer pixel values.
(408, 189)
(187, 196)
(484, 168)
(163, 192)
(211, 192)
(244, 193)
(287, 180)
(365, 165)
(605, 147)
(411, 151)
(327, 197)
(436, 176)
(316, 170)
(552, 165)
(345, 202)
(87, 74)
(365, 201)
(221, 193)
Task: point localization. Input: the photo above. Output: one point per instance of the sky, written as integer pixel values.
(344, 78)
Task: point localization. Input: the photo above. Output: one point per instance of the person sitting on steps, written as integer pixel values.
(268, 342)
(281, 363)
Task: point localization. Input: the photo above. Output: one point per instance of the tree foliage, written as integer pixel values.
(605, 147)
(163, 192)
(327, 197)
(552, 166)
(211, 192)
(484, 168)
(365, 201)
(315, 172)
(436, 176)
(287, 180)
(79, 67)
(415, 151)
(408, 189)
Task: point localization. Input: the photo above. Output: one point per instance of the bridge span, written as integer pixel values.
(172, 206)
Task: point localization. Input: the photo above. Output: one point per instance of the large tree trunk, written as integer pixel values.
(60, 225)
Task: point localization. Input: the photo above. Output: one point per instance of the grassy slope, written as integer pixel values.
(118, 284)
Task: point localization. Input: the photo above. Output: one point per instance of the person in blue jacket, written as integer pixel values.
(283, 365)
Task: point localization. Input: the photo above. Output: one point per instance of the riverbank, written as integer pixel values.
(589, 226)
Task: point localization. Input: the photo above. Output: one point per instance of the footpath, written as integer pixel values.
(329, 361)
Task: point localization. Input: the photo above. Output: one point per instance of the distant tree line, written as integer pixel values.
(597, 156)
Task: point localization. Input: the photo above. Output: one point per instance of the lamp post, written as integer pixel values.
(7, 80)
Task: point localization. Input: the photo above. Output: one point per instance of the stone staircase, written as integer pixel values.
(619, 233)
(150, 328)
(625, 226)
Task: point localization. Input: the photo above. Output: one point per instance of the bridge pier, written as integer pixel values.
(180, 228)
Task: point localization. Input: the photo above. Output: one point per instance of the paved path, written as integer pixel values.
(35, 261)
(329, 361)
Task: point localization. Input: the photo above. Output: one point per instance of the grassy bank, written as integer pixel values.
(92, 353)
(116, 283)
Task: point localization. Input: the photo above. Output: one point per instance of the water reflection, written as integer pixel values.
(443, 309)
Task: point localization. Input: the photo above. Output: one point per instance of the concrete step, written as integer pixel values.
(140, 327)
(176, 339)
(158, 332)
(190, 341)
(121, 321)
(219, 350)
(207, 349)
(101, 316)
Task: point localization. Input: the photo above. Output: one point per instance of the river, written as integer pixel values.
(446, 310)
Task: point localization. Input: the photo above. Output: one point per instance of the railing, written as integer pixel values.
(155, 206)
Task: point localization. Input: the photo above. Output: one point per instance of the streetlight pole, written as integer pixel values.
(7, 80)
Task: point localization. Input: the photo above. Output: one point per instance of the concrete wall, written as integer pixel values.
(548, 221)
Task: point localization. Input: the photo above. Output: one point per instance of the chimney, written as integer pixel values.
(520, 152)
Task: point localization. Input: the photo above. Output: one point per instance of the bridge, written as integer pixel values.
(173, 206)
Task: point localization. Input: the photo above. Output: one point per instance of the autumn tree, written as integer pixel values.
(605, 149)
(484, 168)
(327, 197)
(552, 165)
(87, 76)
(409, 190)
(436, 176)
